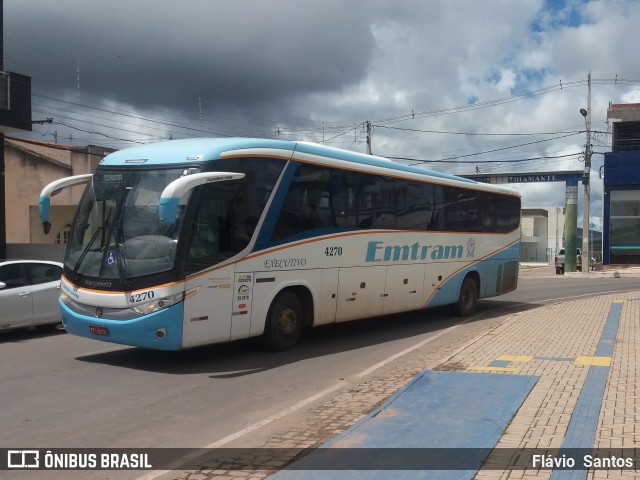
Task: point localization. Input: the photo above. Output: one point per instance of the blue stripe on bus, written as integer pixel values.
(264, 236)
(449, 291)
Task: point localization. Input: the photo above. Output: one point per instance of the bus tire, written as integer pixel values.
(468, 298)
(284, 322)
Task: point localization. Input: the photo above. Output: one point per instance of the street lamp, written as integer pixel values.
(593, 253)
(585, 183)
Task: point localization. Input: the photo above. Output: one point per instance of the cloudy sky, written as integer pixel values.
(455, 85)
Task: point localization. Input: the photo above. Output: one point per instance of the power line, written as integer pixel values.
(187, 130)
(445, 132)
(95, 133)
(522, 95)
(493, 151)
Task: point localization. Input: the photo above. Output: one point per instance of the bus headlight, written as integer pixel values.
(157, 305)
(64, 298)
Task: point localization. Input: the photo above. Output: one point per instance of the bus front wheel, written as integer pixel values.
(468, 298)
(284, 322)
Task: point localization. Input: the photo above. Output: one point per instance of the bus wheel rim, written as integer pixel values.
(287, 321)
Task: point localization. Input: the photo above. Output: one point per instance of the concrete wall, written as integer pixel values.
(33, 251)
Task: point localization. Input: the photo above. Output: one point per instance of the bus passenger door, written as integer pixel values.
(403, 288)
(360, 292)
(207, 312)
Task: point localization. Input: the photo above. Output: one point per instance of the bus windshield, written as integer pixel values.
(117, 233)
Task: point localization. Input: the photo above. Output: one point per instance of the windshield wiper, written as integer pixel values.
(76, 267)
(100, 229)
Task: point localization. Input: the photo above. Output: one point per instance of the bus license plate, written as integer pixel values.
(99, 330)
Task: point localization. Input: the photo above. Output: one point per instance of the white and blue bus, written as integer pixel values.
(193, 242)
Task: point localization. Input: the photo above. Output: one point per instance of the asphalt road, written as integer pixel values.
(59, 390)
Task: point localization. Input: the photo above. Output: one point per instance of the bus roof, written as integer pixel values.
(175, 152)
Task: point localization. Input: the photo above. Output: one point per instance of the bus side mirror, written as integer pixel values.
(55, 188)
(172, 193)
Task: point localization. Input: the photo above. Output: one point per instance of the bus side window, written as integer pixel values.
(436, 222)
(308, 205)
(203, 240)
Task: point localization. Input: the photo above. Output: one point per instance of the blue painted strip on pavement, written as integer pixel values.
(442, 411)
(610, 331)
(500, 363)
(581, 432)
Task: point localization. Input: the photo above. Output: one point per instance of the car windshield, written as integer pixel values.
(117, 233)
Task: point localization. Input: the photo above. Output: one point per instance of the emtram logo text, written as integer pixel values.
(377, 251)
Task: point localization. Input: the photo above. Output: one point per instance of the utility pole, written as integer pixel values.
(368, 124)
(585, 180)
(555, 252)
(276, 129)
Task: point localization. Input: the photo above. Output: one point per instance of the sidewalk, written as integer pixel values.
(601, 271)
(610, 271)
(579, 366)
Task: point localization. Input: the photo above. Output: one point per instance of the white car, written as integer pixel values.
(29, 291)
(559, 261)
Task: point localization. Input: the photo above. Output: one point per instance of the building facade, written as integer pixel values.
(29, 167)
(542, 234)
(621, 202)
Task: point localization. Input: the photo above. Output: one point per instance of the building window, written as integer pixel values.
(62, 238)
(624, 227)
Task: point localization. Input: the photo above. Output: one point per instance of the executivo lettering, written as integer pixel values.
(378, 251)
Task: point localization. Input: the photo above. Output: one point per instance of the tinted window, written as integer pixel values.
(43, 272)
(321, 200)
(226, 213)
(13, 275)
(464, 210)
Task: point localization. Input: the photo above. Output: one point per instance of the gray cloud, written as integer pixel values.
(232, 53)
(318, 70)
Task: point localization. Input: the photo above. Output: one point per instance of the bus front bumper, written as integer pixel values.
(161, 330)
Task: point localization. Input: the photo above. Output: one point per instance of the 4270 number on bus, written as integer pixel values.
(141, 297)
(333, 251)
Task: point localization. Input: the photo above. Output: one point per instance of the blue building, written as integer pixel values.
(621, 202)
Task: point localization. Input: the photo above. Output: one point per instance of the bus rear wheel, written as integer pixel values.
(468, 298)
(284, 322)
